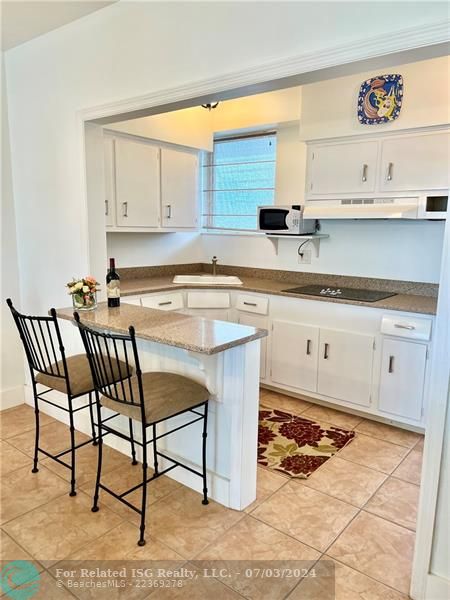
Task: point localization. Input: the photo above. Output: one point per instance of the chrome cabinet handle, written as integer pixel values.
(364, 173)
(125, 209)
(400, 326)
(106, 208)
(250, 303)
(325, 351)
(391, 364)
(308, 347)
(389, 171)
(165, 303)
(169, 210)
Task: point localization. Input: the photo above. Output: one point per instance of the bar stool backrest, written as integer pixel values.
(104, 351)
(42, 341)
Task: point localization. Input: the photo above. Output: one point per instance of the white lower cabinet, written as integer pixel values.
(345, 366)
(402, 379)
(294, 351)
(305, 354)
(259, 321)
(333, 363)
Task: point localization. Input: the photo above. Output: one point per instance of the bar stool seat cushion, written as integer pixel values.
(79, 374)
(165, 395)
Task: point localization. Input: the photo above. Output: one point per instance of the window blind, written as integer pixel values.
(237, 177)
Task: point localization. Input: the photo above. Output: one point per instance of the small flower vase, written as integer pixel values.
(85, 301)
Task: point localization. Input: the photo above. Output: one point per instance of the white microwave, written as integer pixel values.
(287, 220)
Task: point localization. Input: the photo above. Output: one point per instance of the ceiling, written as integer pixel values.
(25, 20)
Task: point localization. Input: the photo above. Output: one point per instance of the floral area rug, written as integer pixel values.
(296, 446)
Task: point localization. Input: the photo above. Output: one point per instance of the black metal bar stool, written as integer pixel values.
(71, 375)
(149, 398)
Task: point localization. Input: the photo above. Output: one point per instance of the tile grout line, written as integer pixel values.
(370, 577)
(39, 505)
(250, 514)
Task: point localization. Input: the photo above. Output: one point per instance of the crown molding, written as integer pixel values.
(403, 40)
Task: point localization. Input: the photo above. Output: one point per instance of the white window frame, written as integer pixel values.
(208, 185)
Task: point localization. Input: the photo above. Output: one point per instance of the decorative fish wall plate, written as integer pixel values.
(380, 99)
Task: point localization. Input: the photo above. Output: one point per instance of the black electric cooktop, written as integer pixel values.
(342, 293)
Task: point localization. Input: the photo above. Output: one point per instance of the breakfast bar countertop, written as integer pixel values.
(171, 328)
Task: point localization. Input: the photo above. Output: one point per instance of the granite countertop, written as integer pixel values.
(170, 328)
(405, 302)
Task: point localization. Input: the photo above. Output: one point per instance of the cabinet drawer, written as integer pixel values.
(208, 300)
(252, 304)
(406, 327)
(163, 302)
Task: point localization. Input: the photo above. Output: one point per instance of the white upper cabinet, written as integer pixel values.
(179, 188)
(343, 168)
(345, 366)
(110, 192)
(137, 184)
(405, 164)
(415, 162)
(148, 187)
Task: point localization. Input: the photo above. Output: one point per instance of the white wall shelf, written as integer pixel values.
(313, 238)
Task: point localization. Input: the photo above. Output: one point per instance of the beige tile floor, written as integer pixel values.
(357, 512)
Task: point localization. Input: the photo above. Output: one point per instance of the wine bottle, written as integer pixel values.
(113, 285)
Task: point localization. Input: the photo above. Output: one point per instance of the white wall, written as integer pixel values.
(440, 558)
(150, 249)
(384, 249)
(329, 107)
(12, 365)
(188, 127)
(290, 167)
(260, 110)
(126, 50)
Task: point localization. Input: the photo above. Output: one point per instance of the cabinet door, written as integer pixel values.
(260, 322)
(294, 355)
(137, 184)
(345, 366)
(179, 192)
(402, 378)
(110, 199)
(418, 162)
(342, 168)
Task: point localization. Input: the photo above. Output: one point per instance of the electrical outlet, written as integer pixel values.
(306, 258)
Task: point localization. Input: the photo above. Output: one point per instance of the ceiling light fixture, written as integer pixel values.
(210, 105)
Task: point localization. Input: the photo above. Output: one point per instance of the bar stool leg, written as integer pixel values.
(133, 449)
(36, 439)
(72, 450)
(95, 507)
(204, 436)
(155, 453)
(91, 412)
(141, 541)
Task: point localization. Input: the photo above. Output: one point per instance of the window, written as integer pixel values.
(238, 176)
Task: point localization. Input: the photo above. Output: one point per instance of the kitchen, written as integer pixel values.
(340, 321)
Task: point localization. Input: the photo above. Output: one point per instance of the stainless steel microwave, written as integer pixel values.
(286, 220)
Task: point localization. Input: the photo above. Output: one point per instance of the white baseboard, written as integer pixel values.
(437, 588)
(12, 397)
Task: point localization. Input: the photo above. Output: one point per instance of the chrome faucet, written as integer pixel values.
(214, 265)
